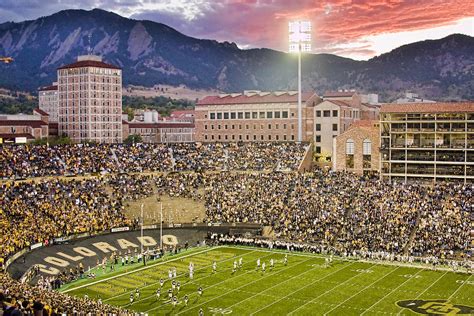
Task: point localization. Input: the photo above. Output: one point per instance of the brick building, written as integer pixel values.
(334, 115)
(427, 142)
(20, 126)
(254, 116)
(358, 148)
(48, 101)
(90, 101)
(161, 132)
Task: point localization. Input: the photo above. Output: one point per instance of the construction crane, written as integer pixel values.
(6, 60)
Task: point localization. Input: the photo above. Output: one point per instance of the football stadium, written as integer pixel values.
(220, 229)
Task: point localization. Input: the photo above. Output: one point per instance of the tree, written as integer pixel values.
(132, 139)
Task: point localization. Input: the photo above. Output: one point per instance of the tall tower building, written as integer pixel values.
(90, 101)
(48, 101)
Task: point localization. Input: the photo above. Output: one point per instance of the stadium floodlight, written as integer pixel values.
(299, 34)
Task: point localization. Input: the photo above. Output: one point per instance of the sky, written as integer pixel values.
(358, 29)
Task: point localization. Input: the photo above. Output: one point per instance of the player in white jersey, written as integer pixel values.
(258, 263)
(240, 262)
(162, 282)
(173, 285)
(131, 298)
(158, 294)
(174, 273)
(186, 299)
(170, 293)
(214, 267)
(271, 264)
(285, 259)
(234, 268)
(178, 286)
(137, 293)
(200, 291)
(170, 274)
(263, 267)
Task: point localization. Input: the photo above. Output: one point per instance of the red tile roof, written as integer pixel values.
(89, 63)
(439, 107)
(341, 103)
(10, 135)
(40, 112)
(336, 94)
(364, 124)
(48, 88)
(31, 123)
(243, 99)
(180, 113)
(161, 125)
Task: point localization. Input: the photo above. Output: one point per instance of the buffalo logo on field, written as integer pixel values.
(436, 307)
(219, 310)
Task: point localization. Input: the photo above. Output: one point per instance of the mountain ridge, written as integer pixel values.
(153, 53)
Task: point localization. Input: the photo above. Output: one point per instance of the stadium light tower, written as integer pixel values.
(299, 42)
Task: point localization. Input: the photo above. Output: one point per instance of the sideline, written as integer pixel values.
(140, 269)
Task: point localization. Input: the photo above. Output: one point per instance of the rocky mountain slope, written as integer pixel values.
(153, 53)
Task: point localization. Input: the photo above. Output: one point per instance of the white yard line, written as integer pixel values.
(363, 289)
(140, 269)
(315, 298)
(393, 290)
(178, 275)
(454, 293)
(237, 275)
(420, 294)
(262, 293)
(236, 289)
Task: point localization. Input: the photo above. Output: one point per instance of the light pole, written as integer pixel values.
(299, 33)
(161, 225)
(141, 231)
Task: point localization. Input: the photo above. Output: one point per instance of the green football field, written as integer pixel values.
(305, 286)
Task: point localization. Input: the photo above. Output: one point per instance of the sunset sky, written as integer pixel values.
(357, 29)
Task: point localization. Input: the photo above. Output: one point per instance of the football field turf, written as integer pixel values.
(305, 286)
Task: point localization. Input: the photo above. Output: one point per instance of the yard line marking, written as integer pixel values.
(180, 275)
(452, 295)
(393, 290)
(140, 269)
(365, 288)
(193, 293)
(315, 298)
(310, 270)
(248, 284)
(420, 294)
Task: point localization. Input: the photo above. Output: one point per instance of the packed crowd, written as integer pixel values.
(42, 160)
(36, 211)
(22, 299)
(338, 210)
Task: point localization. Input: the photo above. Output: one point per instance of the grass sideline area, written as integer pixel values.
(304, 286)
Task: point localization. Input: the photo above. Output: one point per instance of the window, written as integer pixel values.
(269, 115)
(254, 137)
(277, 137)
(318, 149)
(269, 137)
(318, 127)
(277, 114)
(212, 126)
(225, 126)
(219, 116)
(212, 137)
(261, 115)
(277, 126)
(284, 137)
(240, 115)
(213, 116)
(205, 126)
(233, 115)
(247, 137)
(284, 114)
(292, 137)
(233, 126)
(219, 137)
(349, 147)
(240, 126)
(327, 113)
(318, 113)
(334, 113)
(247, 115)
(247, 126)
(269, 126)
(255, 115)
(292, 126)
(367, 147)
(334, 127)
(318, 138)
(219, 126)
(226, 116)
(261, 137)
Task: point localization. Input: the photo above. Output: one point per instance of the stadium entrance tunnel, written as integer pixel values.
(90, 251)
